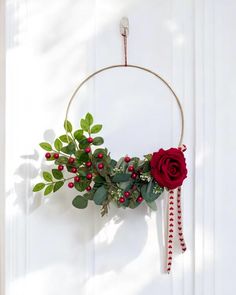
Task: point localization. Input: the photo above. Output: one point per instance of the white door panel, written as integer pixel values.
(53, 248)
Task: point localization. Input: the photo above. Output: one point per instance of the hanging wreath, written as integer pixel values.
(91, 173)
(87, 168)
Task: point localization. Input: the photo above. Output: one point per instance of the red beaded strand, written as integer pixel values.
(170, 234)
(180, 225)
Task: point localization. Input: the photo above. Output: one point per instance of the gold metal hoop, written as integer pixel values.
(136, 67)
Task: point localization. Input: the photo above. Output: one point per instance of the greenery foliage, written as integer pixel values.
(92, 174)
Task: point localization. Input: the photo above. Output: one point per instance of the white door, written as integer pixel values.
(53, 248)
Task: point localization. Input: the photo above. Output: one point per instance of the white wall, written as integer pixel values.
(52, 248)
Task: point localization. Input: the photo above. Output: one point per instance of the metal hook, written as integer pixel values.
(124, 26)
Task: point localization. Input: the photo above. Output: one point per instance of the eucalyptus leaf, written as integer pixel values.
(80, 202)
(148, 193)
(100, 195)
(46, 146)
(121, 177)
(113, 163)
(38, 187)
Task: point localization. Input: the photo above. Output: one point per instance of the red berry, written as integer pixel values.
(88, 164)
(77, 179)
(89, 139)
(87, 150)
(71, 160)
(88, 188)
(100, 166)
(56, 156)
(134, 175)
(60, 167)
(127, 194)
(89, 176)
(139, 199)
(47, 155)
(100, 156)
(131, 168)
(134, 187)
(127, 159)
(74, 170)
(121, 200)
(70, 184)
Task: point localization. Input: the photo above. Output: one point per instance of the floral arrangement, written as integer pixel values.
(92, 175)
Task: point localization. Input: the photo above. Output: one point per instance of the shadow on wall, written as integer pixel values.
(110, 235)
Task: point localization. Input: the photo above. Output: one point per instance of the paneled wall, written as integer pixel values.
(53, 248)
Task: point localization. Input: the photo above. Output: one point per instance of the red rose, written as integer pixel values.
(168, 168)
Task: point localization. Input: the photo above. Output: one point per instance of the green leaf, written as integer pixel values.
(81, 186)
(80, 202)
(83, 143)
(69, 149)
(133, 204)
(58, 144)
(89, 119)
(48, 189)
(113, 163)
(100, 151)
(78, 134)
(100, 195)
(88, 196)
(38, 187)
(147, 192)
(46, 146)
(84, 125)
(61, 160)
(99, 179)
(82, 171)
(68, 126)
(96, 128)
(98, 141)
(47, 176)
(146, 167)
(58, 185)
(82, 157)
(152, 205)
(64, 138)
(57, 174)
(121, 177)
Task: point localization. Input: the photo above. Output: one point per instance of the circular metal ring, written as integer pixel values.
(136, 67)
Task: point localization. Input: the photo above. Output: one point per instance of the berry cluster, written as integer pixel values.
(93, 174)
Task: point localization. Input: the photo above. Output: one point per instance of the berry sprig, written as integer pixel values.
(89, 170)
